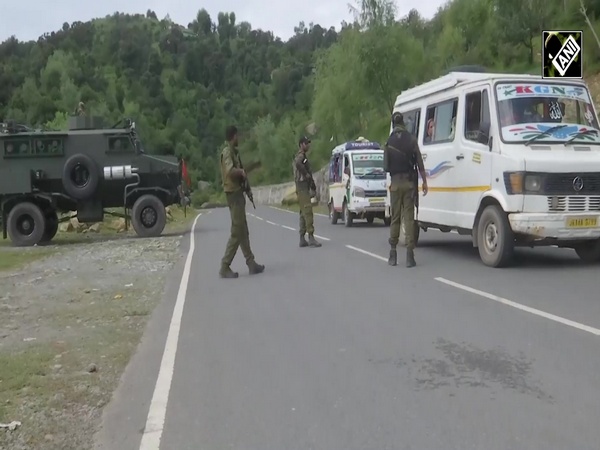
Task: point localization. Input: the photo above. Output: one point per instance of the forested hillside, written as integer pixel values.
(183, 83)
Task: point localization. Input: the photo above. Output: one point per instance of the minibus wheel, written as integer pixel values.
(589, 251)
(333, 214)
(495, 239)
(347, 215)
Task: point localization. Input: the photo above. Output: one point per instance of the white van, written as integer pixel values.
(511, 160)
(357, 184)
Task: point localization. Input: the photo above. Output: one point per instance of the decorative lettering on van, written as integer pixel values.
(510, 91)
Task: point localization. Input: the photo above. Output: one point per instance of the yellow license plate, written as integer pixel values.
(582, 222)
(376, 200)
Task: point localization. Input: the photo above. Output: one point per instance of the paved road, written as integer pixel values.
(332, 349)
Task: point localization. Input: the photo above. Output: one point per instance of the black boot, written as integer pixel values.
(303, 242)
(393, 259)
(255, 268)
(410, 258)
(226, 272)
(312, 241)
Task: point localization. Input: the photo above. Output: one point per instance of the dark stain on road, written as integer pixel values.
(464, 365)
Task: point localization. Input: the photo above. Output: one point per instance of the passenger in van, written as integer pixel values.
(430, 128)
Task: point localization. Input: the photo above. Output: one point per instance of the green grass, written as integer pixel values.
(11, 259)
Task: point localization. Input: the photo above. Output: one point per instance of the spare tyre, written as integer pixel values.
(80, 177)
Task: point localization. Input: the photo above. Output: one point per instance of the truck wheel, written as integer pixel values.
(495, 239)
(333, 214)
(148, 216)
(26, 224)
(370, 219)
(80, 177)
(51, 226)
(347, 215)
(402, 236)
(589, 251)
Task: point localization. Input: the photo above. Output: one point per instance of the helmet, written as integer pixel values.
(397, 118)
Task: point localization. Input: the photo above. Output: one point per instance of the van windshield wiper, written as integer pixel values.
(580, 133)
(545, 133)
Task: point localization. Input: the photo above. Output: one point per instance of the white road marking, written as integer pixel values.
(322, 237)
(364, 252)
(155, 421)
(288, 228)
(525, 308)
(296, 212)
(259, 218)
(272, 223)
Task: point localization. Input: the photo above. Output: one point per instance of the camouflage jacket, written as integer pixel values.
(230, 160)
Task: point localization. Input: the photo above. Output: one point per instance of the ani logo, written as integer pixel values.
(577, 184)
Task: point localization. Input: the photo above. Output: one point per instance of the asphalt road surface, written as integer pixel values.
(332, 349)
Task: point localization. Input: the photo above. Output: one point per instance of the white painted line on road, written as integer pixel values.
(288, 228)
(296, 212)
(525, 308)
(272, 223)
(322, 237)
(259, 218)
(158, 407)
(281, 209)
(364, 252)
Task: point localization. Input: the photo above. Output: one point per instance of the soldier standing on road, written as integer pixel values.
(402, 158)
(233, 176)
(305, 190)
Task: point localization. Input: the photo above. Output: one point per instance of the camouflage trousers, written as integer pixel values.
(402, 202)
(306, 212)
(240, 236)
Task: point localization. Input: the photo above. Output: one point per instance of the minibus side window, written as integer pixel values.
(440, 122)
(477, 111)
(411, 121)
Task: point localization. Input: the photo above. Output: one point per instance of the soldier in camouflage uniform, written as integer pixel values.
(305, 190)
(232, 176)
(402, 158)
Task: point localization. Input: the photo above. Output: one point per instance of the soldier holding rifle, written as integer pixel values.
(235, 184)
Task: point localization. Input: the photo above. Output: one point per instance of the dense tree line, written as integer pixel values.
(183, 84)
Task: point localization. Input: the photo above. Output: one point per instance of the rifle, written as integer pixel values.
(246, 184)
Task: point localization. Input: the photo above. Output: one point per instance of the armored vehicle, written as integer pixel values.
(87, 168)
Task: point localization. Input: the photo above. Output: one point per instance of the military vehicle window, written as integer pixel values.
(15, 148)
(440, 122)
(48, 146)
(477, 110)
(120, 144)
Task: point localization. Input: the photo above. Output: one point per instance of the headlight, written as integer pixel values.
(533, 183)
(359, 192)
(519, 183)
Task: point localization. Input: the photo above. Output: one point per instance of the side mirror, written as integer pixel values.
(484, 133)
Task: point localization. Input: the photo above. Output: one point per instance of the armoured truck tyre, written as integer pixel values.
(26, 224)
(348, 219)
(333, 214)
(51, 226)
(402, 236)
(148, 216)
(589, 251)
(495, 239)
(80, 177)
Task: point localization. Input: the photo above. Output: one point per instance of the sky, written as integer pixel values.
(28, 19)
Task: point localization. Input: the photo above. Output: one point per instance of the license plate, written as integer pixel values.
(377, 205)
(376, 200)
(582, 222)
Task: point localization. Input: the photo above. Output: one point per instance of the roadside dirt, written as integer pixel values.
(69, 323)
